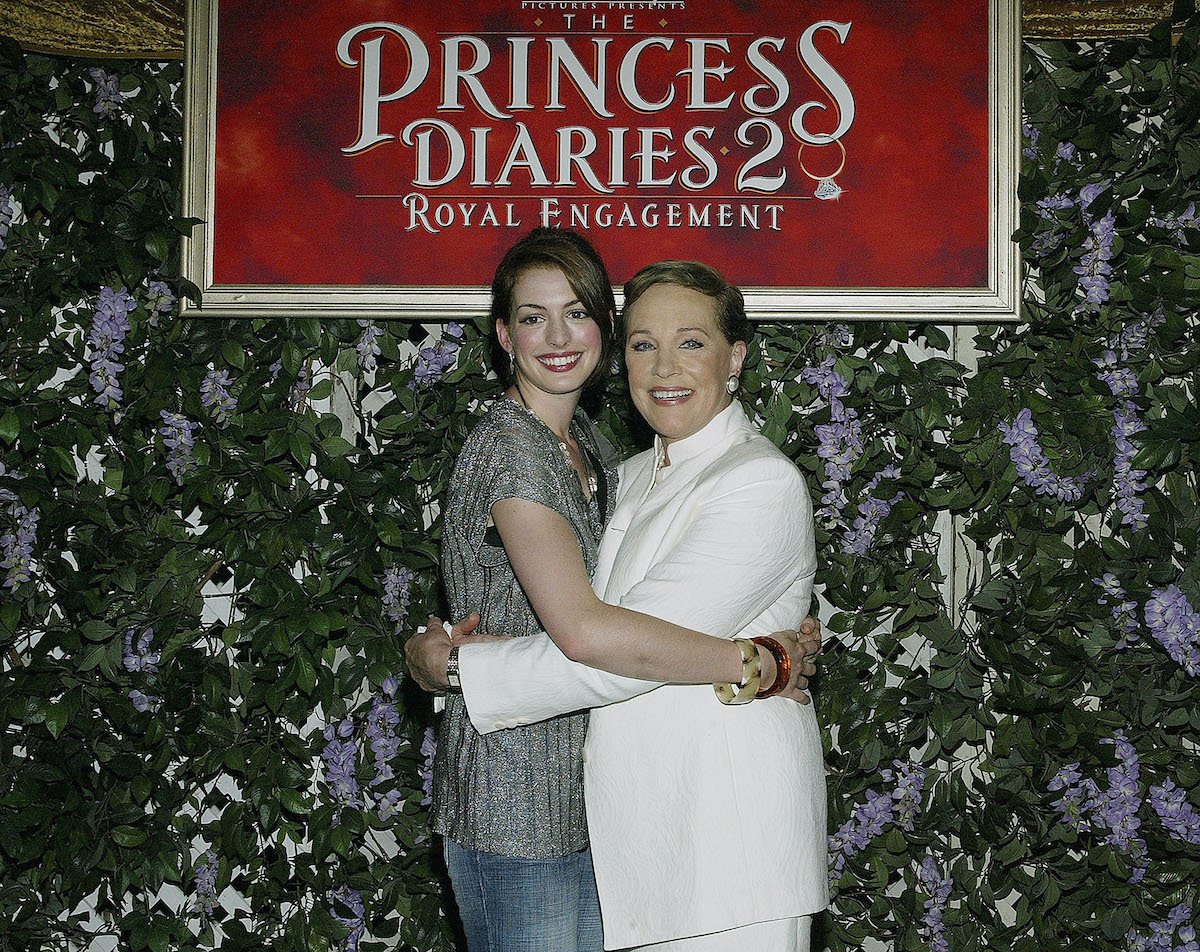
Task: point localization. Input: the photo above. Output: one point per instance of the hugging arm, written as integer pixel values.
(545, 557)
(750, 542)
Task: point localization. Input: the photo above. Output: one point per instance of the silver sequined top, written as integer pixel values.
(518, 792)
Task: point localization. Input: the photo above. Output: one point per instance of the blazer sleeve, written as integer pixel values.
(752, 540)
(746, 544)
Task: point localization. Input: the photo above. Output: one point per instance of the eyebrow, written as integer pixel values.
(542, 307)
(678, 330)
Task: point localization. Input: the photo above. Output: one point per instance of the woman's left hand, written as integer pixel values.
(802, 646)
(427, 651)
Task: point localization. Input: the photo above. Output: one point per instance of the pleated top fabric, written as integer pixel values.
(516, 792)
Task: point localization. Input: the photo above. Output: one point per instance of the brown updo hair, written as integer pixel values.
(584, 270)
(731, 306)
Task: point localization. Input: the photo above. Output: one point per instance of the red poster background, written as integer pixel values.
(291, 207)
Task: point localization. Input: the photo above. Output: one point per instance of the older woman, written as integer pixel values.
(707, 819)
(525, 508)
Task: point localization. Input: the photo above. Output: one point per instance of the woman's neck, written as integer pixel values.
(556, 410)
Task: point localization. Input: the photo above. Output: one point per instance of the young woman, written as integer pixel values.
(527, 504)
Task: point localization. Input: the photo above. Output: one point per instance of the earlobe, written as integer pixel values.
(503, 336)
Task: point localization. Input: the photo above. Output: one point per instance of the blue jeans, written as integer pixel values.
(510, 904)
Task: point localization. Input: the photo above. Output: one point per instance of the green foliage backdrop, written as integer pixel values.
(208, 739)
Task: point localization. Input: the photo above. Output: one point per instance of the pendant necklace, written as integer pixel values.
(589, 475)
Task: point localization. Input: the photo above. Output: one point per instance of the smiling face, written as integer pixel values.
(679, 361)
(553, 339)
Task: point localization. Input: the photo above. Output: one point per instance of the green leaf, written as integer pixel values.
(129, 836)
(306, 674)
(96, 630)
(234, 354)
(10, 426)
(157, 246)
(57, 716)
(336, 446)
(294, 802)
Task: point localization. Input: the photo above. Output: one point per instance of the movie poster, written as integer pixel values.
(853, 157)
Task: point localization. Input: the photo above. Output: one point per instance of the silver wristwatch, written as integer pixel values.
(452, 670)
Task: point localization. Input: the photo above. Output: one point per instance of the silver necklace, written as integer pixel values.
(589, 475)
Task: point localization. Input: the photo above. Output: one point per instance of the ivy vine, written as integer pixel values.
(208, 736)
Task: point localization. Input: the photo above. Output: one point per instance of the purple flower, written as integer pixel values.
(382, 721)
(178, 437)
(110, 324)
(367, 348)
(428, 750)
(1032, 465)
(299, 392)
(1114, 810)
(834, 337)
(397, 592)
(1046, 207)
(215, 395)
(871, 512)
(1120, 380)
(1089, 193)
(340, 757)
(1163, 933)
(108, 92)
(1177, 222)
(866, 822)
(160, 299)
(1032, 134)
(1066, 152)
(1093, 268)
(433, 361)
(7, 212)
(840, 442)
(1077, 794)
(16, 546)
(1118, 806)
(1046, 243)
(1176, 626)
(143, 702)
(937, 887)
(347, 908)
(1179, 818)
(910, 781)
(872, 816)
(142, 659)
(1128, 483)
(831, 386)
(389, 804)
(1124, 610)
(1135, 335)
(206, 884)
(7, 495)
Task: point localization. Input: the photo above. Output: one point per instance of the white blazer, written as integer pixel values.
(703, 817)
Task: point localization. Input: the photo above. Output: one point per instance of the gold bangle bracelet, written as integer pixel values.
(751, 676)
